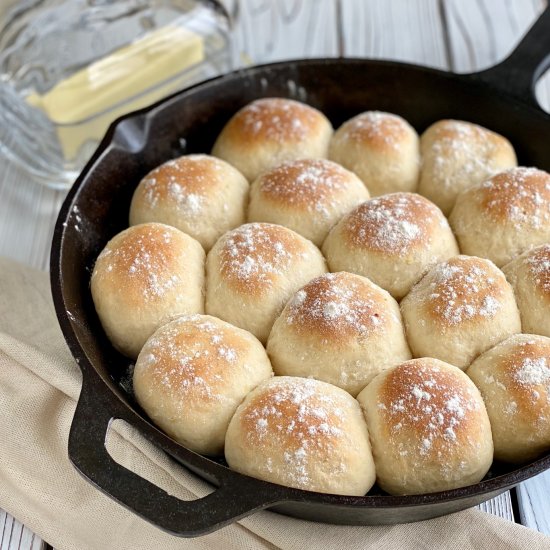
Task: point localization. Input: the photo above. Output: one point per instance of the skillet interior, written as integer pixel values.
(97, 208)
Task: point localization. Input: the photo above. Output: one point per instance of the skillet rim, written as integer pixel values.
(211, 468)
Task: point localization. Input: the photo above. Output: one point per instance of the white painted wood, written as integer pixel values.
(284, 29)
(500, 506)
(27, 216)
(534, 503)
(483, 33)
(399, 30)
(14, 536)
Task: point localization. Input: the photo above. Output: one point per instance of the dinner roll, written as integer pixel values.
(392, 240)
(252, 271)
(457, 155)
(304, 434)
(339, 328)
(459, 309)
(514, 379)
(201, 195)
(381, 148)
(270, 131)
(428, 428)
(308, 196)
(529, 275)
(193, 373)
(145, 276)
(504, 216)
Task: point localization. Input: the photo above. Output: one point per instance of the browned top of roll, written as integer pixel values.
(377, 130)
(449, 135)
(302, 417)
(273, 119)
(304, 182)
(336, 306)
(462, 289)
(430, 403)
(523, 368)
(193, 357)
(519, 195)
(185, 182)
(255, 255)
(143, 262)
(393, 224)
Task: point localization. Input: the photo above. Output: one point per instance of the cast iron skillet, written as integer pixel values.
(96, 208)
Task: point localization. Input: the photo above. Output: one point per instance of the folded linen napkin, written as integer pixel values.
(39, 386)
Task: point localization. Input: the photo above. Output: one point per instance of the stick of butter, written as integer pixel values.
(83, 105)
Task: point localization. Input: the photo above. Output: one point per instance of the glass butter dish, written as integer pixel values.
(68, 68)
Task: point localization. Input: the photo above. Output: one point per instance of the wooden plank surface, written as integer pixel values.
(14, 536)
(456, 34)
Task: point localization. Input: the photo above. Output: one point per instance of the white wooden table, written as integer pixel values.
(458, 35)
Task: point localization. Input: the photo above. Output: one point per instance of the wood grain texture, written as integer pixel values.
(500, 506)
(462, 35)
(484, 32)
(534, 503)
(27, 217)
(268, 31)
(14, 536)
(397, 30)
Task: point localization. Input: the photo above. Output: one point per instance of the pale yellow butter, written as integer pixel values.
(83, 105)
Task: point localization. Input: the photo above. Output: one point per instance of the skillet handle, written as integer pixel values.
(236, 497)
(518, 74)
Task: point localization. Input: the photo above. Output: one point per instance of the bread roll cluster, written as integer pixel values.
(323, 339)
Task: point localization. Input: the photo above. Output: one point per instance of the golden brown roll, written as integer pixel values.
(428, 428)
(504, 216)
(529, 275)
(393, 240)
(308, 196)
(252, 271)
(193, 373)
(457, 155)
(270, 131)
(459, 309)
(381, 148)
(514, 379)
(339, 328)
(144, 277)
(302, 433)
(201, 195)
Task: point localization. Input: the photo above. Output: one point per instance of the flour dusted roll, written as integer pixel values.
(393, 240)
(514, 379)
(428, 428)
(504, 216)
(252, 271)
(201, 195)
(381, 148)
(459, 309)
(270, 131)
(302, 433)
(339, 328)
(308, 196)
(529, 275)
(144, 277)
(457, 155)
(193, 373)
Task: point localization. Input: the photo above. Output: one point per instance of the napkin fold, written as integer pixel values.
(39, 387)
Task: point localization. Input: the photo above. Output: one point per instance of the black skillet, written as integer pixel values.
(96, 208)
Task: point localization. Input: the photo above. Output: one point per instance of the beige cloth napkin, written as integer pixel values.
(39, 385)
